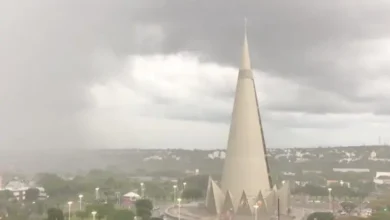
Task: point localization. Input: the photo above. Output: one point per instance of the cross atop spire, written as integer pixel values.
(245, 24)
(245, 59)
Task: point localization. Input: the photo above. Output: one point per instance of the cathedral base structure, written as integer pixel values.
(274, 203)
(267, 204)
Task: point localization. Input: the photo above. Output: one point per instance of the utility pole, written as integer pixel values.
(278, 208)
(118, 197)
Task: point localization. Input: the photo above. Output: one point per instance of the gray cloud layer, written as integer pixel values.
(288, 39)
(49, 53)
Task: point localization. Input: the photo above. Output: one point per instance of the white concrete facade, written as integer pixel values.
(245, 165)
(245, 177)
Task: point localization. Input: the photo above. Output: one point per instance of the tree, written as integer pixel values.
(103, 210)
(312, 190)
(55, 214)
(67, 214)
(38, 207)
(121, 214)
(13, 209)
(53, 184)
(380, 204)
(144, 208)
(383, 215)
(343, 191)
(6, 195)
(348, 207)
(82, 214)
(153, 190)
(321, 216)
(192, 193)
(32, 194)
(196, 181)
(352, 218)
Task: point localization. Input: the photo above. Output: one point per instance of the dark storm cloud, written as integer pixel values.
(47, 50)
(319, 102)
(286, 38)
(46, 65)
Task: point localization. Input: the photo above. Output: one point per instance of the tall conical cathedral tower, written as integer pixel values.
(246, 183)
(245, 166)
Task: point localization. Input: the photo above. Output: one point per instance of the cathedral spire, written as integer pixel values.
(245, 171)
(245, 59)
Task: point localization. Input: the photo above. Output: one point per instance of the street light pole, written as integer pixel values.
(278, 208)
(93, 215)
(330, 199)
(97, 193)
(118, 198)
(178, 204)
(174, 193)
(142, 190)
(256, 207)
(80, 200)
(342, 185)
(69, 208)
(184, 187)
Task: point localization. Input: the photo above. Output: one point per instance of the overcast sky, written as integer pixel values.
(162, 74)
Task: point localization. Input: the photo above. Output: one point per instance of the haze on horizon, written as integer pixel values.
(162, 74)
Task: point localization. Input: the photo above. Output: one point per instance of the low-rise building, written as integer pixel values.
(354, 170)
(129, 198)
(382, 178)
(19, 188)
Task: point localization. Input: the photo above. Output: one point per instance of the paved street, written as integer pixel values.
(188, 210)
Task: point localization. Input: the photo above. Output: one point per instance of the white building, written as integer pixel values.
(382, 178)
(19, 188)
(354, 170)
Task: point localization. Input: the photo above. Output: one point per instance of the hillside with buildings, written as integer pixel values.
(363, 159)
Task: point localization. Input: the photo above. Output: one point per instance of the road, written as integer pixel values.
(160, 209)
(300, 210)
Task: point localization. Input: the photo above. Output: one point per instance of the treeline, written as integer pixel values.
(111, 185)
(143, 209)
(336, 191)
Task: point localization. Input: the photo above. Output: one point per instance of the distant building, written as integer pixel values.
(19, 188)
(372, 155)
(288, 173)
(332, 182)
(355, 170)
(301, 183)
(192, 172)
(129, 198)
(152, 178)
(382, 178)
(338, 182)
(312, 171)
(378, 174)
